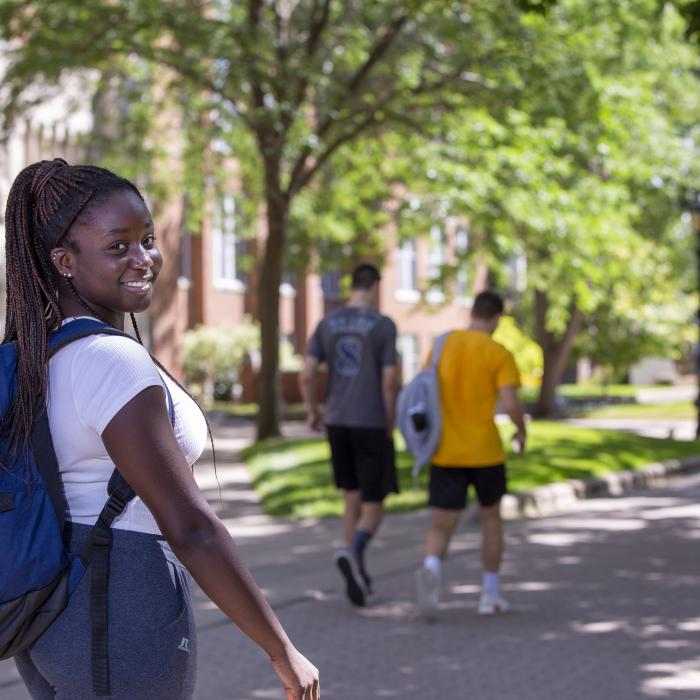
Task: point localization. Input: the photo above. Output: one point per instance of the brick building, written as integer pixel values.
(51, 129)
(203, 281)
(220, 293)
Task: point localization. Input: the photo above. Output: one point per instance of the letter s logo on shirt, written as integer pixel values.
(348, 355)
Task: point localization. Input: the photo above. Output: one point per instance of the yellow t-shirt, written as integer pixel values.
(473, 367)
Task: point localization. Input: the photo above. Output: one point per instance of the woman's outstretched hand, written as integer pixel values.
(298, 675)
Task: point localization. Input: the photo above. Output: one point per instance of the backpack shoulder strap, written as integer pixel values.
(95, 554)
(437, 349)
(84, 328)
(81, 328)
(47, 464)
(95, 551)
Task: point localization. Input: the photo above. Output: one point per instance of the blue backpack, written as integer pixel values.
(418, 415)
(37, 574)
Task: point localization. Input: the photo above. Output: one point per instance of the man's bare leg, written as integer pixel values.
(351, 514)
(491, 555)
(491, 538)
(442, 526)
(371, 514)
(444, 523)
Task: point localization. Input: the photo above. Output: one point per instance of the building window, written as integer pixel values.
(228, 249)
(436, 253)
(408, 352)
(436, 260)
(517, 273)
(461, 248)
(185, 254)
(288, 286)
(407, 283)
(184, 280)
(330, 285)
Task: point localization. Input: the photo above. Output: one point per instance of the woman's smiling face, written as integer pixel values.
(111, 258)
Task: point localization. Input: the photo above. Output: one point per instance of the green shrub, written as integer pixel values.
(214, 355)
(527, 353)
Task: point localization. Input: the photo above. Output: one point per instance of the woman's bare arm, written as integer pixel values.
(141, 442)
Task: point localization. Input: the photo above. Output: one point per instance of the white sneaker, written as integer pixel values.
(492, 604)
(427, 592)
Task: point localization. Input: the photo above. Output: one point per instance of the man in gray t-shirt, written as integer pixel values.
(358, 346)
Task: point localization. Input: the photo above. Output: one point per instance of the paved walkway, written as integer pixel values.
(605, 605)
(667, 394)
(678, 429)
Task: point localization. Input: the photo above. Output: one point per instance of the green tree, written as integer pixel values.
(618, 338)
(584, 173)
(300, 79)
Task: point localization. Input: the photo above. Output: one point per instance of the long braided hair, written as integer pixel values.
(45, 200)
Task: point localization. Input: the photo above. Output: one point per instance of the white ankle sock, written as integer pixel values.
(433, 563)
(491, 582)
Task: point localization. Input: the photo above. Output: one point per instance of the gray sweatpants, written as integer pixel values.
(152, 645)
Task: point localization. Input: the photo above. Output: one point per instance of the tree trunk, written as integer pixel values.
(268, 294)
(556, 352)
(546, 401)
(482, 274)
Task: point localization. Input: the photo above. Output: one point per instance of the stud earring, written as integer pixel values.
(67, 274)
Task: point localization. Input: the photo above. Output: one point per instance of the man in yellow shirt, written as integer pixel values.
(474, 372)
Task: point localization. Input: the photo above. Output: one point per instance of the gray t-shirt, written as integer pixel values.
(355, 343)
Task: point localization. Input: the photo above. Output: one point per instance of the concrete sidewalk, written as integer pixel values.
(677, 429)
(604, 605)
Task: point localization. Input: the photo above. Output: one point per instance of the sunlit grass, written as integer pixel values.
(587, 391)
(293, 477)
(666, 411)
(250, 410)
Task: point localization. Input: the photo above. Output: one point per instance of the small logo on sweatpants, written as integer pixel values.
(184, 645)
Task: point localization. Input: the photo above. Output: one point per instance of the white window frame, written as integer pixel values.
(406, 272)
(288, 288)
(461, 242)
(224, 241)
(436, 259)
(517, 272)
(329, 284)
(409, 351)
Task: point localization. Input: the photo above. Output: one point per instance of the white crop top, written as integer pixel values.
(90, 380)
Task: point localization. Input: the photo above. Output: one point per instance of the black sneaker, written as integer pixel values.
(354, 585)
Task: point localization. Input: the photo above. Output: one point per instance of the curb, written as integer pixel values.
(561, 496)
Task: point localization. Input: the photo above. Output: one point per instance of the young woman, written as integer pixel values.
(81, 242)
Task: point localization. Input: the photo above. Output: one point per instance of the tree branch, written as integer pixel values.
(280, 84)
(563, 347)
(254, 8)
(304, 177)
(317, 26)
(382, 45)
(406, 120)
(541, 332)
(315, 31)
(379, 50)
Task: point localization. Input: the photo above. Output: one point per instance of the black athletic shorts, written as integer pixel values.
(449, 485)
(363, 459)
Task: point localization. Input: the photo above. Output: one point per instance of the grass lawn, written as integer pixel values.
(585, 391)
(671, 411)
(528, 394)
(238, 410)
(576, 391)
(250, 410)
(292, 477)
